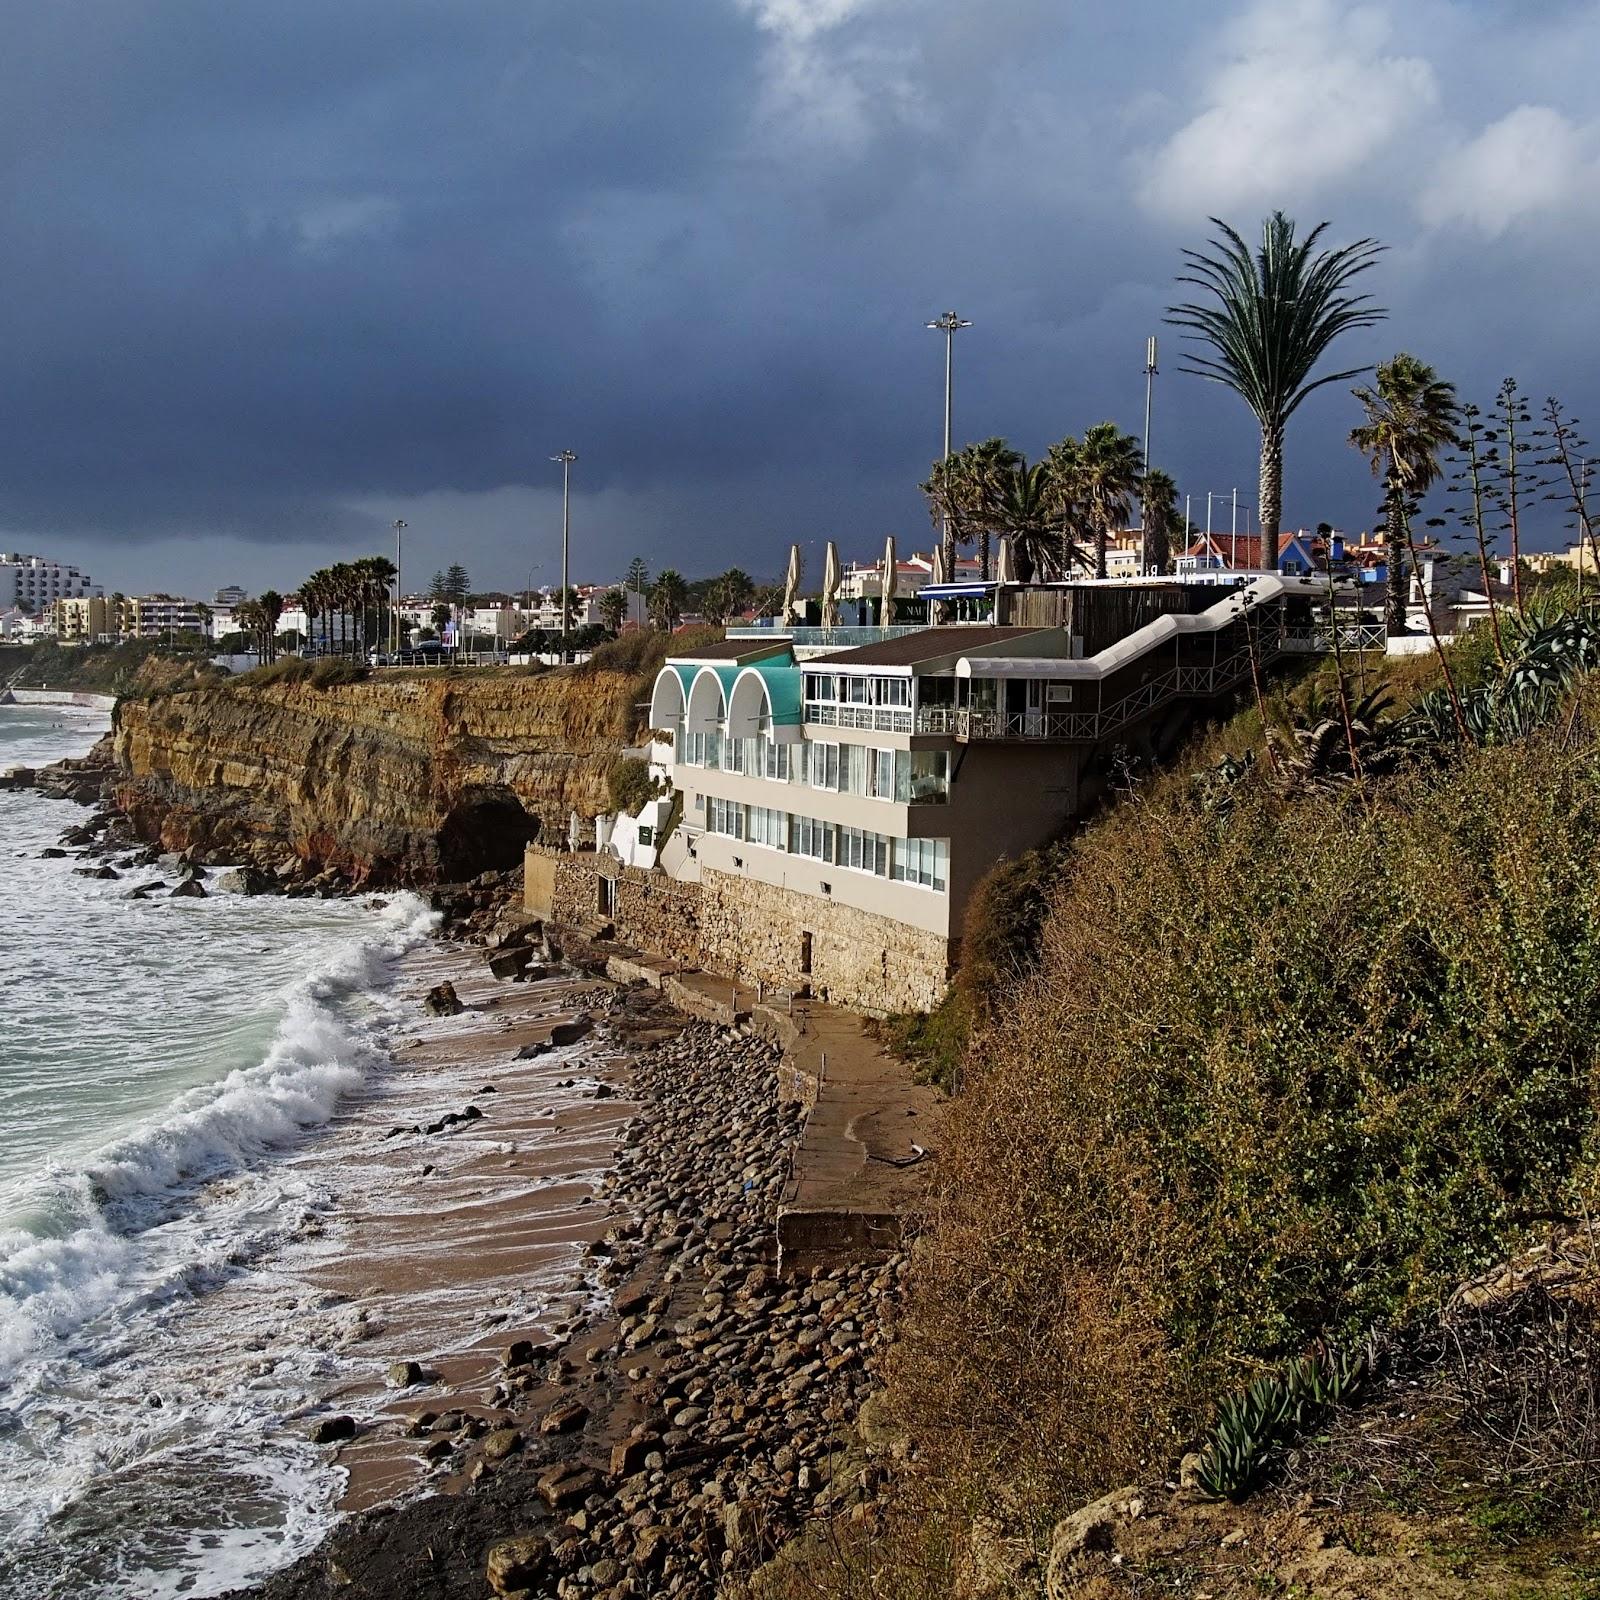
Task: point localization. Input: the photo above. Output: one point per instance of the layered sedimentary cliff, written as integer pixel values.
(397, 778)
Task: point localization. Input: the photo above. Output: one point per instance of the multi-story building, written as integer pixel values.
(86, 619)
(841, 801)
(230, 595)
(150, 616)
(33, 584)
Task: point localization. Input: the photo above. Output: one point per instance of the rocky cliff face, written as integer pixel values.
(395, 779)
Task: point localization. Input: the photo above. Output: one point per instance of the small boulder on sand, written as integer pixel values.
(442, 1001)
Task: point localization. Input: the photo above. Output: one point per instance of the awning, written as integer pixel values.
(1015, 667)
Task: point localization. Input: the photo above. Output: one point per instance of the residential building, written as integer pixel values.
(34, 584)
(842, 800)
(230, 596)
(86, 619)
(150, 616)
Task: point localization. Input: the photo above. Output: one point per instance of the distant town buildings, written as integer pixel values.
(33, 584)
(231, 596)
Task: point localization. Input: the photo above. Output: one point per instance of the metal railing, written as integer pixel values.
(841, 638)
(1318, 639)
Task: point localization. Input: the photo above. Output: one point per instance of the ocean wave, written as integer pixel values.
(130, 1223)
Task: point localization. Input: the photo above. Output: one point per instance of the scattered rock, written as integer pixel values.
(405, 1374)
(501, 1443)
(565, 1417)
(331, 1430)
(245, 880)
(442, 1001)
(189, 889)
(518, 1564)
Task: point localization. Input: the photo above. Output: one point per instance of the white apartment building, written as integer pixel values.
(33, 584)
(150, 616)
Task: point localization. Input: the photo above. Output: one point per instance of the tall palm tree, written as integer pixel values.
(1109, 468)
(1025, 512)
(271, 604)
(987, 467)
(668, 596)
(1159, 495)
(614, 609)
(1068, 509)
(1411, 416)
(1275, 315)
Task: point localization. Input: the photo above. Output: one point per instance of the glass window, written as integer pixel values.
(812, 838)
(892, 691)
(864, 850)
(925, 862)
(883, 774)
(857, 691)
(928, 778)
(821, 686)
(824, 772)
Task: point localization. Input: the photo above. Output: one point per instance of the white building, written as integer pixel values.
(230, 595)
(33, 584)
(150, 616)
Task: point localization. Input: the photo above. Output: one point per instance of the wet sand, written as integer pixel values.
(473, 1236)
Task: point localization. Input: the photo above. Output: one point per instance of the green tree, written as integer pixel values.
(438, 587)
(1024, 510)
(1159, 496)
(614, 609)
(667, 598)
(457, 585)
(1109, 469)
(638, 575)
(1270, 319)
(1412, 416)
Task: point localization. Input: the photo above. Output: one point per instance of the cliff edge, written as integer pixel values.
(398, 778)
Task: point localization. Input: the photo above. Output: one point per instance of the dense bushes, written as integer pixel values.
(1279, 1076)
(630, 785)
(327, 672)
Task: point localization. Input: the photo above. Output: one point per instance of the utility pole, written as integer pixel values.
(399, 587)
(1235, 560)
(566, 458)
(947, 325)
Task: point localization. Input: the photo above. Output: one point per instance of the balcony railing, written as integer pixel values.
(1318, 639)
(881, 719)
(839, 638)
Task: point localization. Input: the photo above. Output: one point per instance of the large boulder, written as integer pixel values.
(189, 889)
(516, 1564)
(245, 880)
(442, 1001)
(510, 963)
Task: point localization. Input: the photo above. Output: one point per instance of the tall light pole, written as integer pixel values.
(947, 325)
(399, 587)
(1149, 395)
(566, 458)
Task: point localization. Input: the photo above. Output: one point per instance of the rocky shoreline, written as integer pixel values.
(672, 1442)
(683, 1436)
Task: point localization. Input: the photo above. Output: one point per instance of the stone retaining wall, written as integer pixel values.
(859, 960)
(752, 932)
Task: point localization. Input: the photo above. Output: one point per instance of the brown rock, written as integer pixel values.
(518, 1563)
(565, 1417)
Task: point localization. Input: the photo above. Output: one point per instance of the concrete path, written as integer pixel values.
(857, 1173)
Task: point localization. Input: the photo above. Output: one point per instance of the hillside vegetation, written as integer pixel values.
(1294, 1056)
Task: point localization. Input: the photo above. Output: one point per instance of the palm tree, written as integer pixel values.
(271, 607)
(988, 465)
(668, 596)
(1109, 466)
(1025, 511)
(1159, 495)
(1411, 416)
(1066, 496)
(1276, 313)
(614, 609)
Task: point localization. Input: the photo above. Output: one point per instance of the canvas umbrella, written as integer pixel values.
(830, 587)
(1004, 571)
(791, 583)
(891, 577)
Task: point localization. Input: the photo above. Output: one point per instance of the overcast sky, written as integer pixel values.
(276, 274)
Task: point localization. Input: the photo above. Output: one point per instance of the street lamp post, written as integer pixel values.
(947, 325)
(566, 458)
(399, 587)
(1149, 394)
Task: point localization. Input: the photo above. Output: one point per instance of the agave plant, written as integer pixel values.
(1272, 1412)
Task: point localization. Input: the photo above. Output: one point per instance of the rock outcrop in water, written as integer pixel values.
(394, 779)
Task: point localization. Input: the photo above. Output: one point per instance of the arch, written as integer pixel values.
(766, 699)
(708, 699)
(668, 699)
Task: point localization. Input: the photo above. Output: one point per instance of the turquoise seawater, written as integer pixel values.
(159, 1061)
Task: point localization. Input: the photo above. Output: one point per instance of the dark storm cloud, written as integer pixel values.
(276, 273)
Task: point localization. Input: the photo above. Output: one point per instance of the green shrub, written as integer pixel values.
(286, 669)
(330, 671)
(1279, 1077)
(630, 785)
